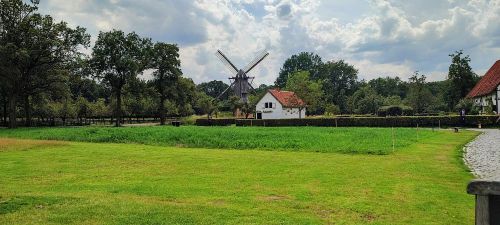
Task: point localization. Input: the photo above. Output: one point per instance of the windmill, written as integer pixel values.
(241, 83)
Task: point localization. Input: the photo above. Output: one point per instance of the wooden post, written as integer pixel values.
(393, 141)
(417, 133)
(487, 201)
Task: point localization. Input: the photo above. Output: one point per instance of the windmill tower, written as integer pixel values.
(241, 83)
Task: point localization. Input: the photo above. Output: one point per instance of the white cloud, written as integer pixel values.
(380, 37)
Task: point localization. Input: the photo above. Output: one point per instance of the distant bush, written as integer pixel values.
(215, 122)
(395, 110)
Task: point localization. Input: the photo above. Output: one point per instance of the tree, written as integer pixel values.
(365, 101)
(99, 109)
(118, 57)
(339, 81)
(214, 89)
(234, 104)
(83, 108)
(332, 110)
(34, 52)
(305, 61)
(462, 78)
(419, 96)
(167, 64)
(388, 86)
(393, 100)
(306, 89)
(468, 105)
(206, 104)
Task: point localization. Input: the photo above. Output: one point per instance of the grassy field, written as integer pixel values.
(304, 139)
(53, 182)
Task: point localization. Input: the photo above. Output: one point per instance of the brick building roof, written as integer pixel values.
(488, 83)
(287, 98)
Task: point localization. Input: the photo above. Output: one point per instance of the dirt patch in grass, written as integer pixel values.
(7, 144)
(272, 198)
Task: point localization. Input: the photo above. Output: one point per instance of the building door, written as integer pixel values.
(259, 116)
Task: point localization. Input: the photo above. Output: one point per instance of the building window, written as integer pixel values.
(268, 105)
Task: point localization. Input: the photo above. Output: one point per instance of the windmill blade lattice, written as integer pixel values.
(241, 83)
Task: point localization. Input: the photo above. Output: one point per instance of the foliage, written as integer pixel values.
(206, 104)
(305, 61)
(34, 52)
(117, 58)
(165, 60)
(393, 100)
(462, 78)
(365, 101)
(339, 81)
(214, 89)
(406, 121)
(388, 86)
(468, 105)
(395, 110)
(419, 96)
(332, 110)
(306, 89)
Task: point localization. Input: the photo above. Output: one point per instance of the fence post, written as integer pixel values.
(487, 201)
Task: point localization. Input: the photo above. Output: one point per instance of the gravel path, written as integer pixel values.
(483, 154)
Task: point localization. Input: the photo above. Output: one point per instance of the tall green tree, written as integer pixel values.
(34, 52)
(308, 90)
(419, 97)
(214, 89)
(205, 104)
(365, 101)
(389, 86)
(462, 78)
(339, 81)
(118, 57)
(167, 65)
(305, 61)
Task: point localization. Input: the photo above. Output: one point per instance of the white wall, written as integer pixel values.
(483, 101)
(277, 112)
(497, 100)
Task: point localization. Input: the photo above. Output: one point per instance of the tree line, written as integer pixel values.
(333, 87)
(45, 74)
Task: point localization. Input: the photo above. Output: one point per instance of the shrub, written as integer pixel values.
(395, 110)
(215, 122)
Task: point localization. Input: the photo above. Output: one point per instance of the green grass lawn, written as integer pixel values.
(52, 182)
(304, 139)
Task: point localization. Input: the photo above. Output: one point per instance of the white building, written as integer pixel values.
(278, 104)
(487, 90)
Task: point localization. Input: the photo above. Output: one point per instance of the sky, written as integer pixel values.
(379, 37)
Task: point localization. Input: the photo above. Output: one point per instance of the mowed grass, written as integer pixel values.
(50, 182)
(303, 139)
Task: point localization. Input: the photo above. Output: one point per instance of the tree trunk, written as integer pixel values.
(162, 110)
(12, 111)
(118, 107)
(27, 111)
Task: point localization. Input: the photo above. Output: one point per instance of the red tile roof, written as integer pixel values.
(287, 98)
(488, 83)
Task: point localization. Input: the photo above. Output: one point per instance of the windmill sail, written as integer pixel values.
(241, 84)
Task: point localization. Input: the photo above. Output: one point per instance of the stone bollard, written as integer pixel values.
(487, 201)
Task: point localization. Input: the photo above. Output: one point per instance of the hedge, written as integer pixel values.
(215, 122)
(429, 121)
